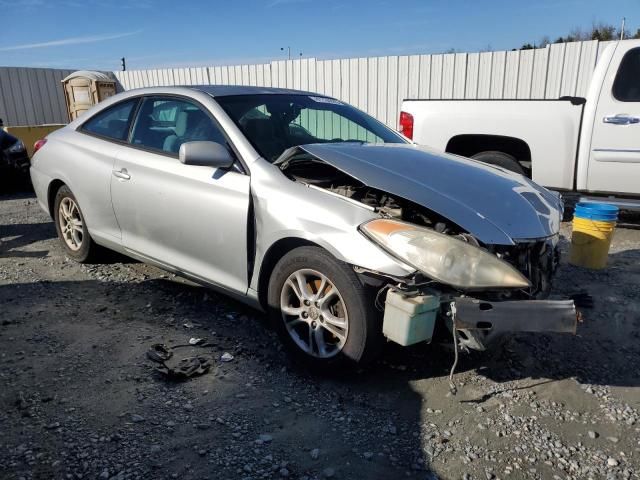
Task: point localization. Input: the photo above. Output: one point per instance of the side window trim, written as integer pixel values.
(631, 52)
(133, 119)
(81, 128)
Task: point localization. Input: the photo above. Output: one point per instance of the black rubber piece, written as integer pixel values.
(499, 159)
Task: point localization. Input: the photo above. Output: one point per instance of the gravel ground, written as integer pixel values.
(79, 399)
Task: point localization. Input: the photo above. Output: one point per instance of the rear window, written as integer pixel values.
(113, 122)
(626, 86)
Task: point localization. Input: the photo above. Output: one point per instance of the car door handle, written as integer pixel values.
(123, 174)
(621, 120)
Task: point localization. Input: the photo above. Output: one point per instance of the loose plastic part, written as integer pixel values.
(409, 319)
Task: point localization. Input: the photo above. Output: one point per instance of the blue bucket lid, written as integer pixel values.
(604, 212)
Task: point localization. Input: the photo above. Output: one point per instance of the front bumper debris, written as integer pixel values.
(558, 316)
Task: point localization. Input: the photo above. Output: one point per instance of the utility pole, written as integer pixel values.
(288, 52)
(622, 29)
(123, 63)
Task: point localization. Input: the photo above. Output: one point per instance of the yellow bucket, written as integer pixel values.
(590, 242)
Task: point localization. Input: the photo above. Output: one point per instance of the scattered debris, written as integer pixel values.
(183, 368)
(226, 357)
(135, 418)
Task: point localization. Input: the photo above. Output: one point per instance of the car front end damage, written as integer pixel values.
(486, 262)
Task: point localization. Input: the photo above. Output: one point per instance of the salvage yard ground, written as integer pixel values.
(79, 399)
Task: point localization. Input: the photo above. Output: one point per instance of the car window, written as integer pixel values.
(113, 122)
(626, 86)
(331, 126)
(274, 123)
(164, 124)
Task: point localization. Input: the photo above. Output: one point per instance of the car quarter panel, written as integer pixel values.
(84, 163)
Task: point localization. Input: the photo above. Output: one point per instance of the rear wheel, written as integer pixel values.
(500, 159)
(71, 227)
(321, 311)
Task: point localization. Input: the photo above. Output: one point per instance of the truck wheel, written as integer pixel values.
(500, 159)
(323, 314)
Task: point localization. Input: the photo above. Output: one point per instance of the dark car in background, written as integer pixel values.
(14, 159)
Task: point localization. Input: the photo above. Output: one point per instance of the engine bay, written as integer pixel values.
(537, 260)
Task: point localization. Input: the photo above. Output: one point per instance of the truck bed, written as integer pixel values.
(437, 122)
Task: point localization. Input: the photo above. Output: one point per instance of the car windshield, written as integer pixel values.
(275, 122)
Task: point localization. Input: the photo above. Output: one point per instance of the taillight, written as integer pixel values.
(39, 144)
(406, 124)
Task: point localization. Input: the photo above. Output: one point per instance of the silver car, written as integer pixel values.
(344, 231)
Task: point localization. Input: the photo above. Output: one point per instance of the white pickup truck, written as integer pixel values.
(587, 145)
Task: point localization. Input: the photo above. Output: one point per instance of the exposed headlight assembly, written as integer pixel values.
(443, 258)
(16, 147)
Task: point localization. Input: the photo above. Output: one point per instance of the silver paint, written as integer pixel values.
(494, 205)
(201, 222)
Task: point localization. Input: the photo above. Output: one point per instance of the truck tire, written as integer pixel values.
(499, 159)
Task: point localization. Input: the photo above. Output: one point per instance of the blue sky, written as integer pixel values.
(162, 33)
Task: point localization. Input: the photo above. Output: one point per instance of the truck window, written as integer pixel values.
(626, 86)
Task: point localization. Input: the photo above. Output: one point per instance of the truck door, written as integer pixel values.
(614, 163)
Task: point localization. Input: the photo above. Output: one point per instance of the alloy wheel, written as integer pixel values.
(71, 224)
(314, 313)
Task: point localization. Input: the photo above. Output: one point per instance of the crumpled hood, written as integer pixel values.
(494, 205)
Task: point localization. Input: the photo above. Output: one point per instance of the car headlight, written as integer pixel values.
(16, 147)
(442, 257)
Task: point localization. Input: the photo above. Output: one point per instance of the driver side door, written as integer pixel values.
(189, 218)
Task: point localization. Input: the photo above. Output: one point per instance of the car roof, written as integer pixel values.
(228, 90)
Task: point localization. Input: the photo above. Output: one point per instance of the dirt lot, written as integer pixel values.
(79, 398)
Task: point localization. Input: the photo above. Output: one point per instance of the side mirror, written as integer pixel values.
(209, 154)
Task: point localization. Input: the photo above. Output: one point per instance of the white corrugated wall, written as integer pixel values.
(377, 85)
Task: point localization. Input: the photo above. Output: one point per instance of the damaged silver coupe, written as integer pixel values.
(298, 204)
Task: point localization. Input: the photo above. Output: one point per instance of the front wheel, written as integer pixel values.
(321, 311)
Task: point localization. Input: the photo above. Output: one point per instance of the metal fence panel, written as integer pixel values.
(376, 85)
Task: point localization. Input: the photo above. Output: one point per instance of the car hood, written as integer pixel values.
(493, 204)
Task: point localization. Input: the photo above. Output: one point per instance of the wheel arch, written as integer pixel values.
(52, 190)
(272, 256)
(468, 145)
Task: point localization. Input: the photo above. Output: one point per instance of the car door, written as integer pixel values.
(97, 142)
(614, 163)
(188, 217)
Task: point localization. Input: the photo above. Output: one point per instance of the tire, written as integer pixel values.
(72, 228)
(342, 297)
(500, 159)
